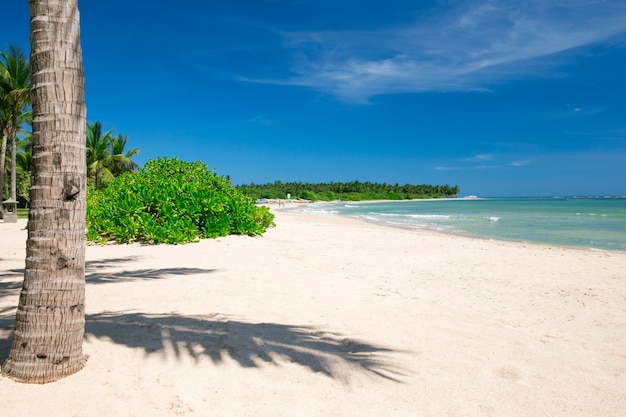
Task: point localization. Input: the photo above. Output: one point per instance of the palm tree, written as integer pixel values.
(98, 155)
(50, 320)
(15, 89)
(4, 131)
(24, 158)
(120, 160)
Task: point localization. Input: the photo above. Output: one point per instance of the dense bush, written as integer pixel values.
(171, 201)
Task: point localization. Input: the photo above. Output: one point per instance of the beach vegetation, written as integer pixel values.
(172, 201)
(107, 156)
(14, 109)
(23, 170)
(346, 191)
(350, 196)
(121, 159)
(22, 213)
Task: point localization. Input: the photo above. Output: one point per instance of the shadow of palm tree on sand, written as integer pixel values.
(96, 273)
(215, 336)
(250, 344)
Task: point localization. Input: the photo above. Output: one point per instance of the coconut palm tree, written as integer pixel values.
(120, 158)
(50, 320)
(98, 155)
(4, 131)
(14, 87)
(24, 158)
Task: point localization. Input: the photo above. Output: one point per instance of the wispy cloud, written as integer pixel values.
(465, 46)
(575, 110)
(480, 158)
(446, 168)
(484, 162)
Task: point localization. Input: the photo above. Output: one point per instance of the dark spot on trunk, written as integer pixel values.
(62, 214)
(24, 344)
(41, 356)
(71, 187)
(61, 263)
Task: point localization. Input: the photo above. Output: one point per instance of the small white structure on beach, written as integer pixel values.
(9, 210)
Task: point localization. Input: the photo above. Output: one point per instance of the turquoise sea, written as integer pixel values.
(588, 222)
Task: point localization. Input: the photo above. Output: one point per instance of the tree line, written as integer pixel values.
(107, 156)
(349, 191)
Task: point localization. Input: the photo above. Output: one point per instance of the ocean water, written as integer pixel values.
(588, 222)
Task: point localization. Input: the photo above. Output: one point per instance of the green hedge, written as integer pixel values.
(171, 201)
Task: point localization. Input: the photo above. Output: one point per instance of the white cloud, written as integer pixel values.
(481, 158)
(462, 48)
(485, 161)
(446, 168)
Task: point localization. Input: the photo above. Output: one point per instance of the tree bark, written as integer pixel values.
(3, 155)
(50, 320)
(14, 159)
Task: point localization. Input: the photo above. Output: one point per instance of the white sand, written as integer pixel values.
(326, 316)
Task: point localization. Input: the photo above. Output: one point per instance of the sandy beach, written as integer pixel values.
(329, 316)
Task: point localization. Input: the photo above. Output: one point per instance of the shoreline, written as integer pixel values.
(332, 316)
(428, 229)
(555, 240)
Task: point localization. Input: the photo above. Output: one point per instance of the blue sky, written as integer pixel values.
(500, 98)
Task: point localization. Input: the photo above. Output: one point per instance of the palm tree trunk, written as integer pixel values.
(50, 320)
(3, 155)
(14, 162)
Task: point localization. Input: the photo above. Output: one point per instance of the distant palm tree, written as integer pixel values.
(98, 155)
(120, 159)
(4, 131)
(15, 93)
(24, 158)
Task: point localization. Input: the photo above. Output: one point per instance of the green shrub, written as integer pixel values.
(309, 195)
(171, 201)
(328, 196)
(350, 197)
(393, 196)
